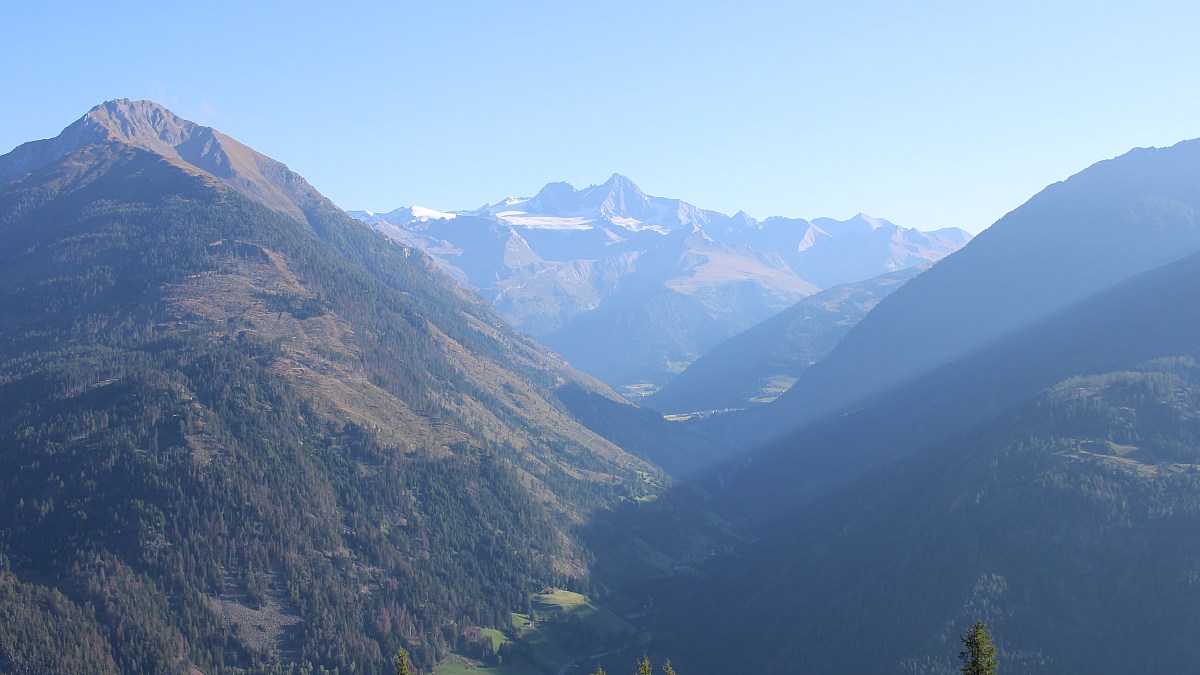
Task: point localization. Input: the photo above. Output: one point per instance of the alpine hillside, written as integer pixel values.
(240, 430)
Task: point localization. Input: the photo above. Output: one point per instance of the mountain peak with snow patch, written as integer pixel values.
(609, 264)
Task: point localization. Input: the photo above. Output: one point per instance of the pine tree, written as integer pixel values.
(599, 671)
(402, 662)
(668, 669)
(978, 654)
(644, 667)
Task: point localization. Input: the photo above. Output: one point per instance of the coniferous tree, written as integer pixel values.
(668, 669)
(402, 662)
(644, 667)
(978, 654)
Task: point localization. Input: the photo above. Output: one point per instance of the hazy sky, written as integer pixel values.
(929, 114)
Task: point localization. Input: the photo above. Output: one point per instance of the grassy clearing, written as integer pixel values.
(562, 627)
(460, 669)
(548, 654)
(651, 480)
(677, 367)
(639, 389)
(772, 388)
(653, 557)
(498, 638)
(570, 605)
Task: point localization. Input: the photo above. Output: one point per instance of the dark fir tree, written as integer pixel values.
(402, 662)
(978, 653)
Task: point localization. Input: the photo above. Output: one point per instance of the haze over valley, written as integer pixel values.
(532, 418)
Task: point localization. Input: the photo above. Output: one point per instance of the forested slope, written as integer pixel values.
(237, 434)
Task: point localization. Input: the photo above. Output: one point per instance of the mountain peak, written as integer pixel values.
(861, 222)
(620, 182)
(126, 114)
(741, 219)
(150, 126)
(874, 222)
(553, 198)
(619, 197)
(143, 123)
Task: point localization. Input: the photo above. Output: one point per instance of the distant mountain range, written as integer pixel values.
(631, 287)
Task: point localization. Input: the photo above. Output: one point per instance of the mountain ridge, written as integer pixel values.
(241, 437)
(998, 283)
(556, 263)
(1043, 479)
(150, 126)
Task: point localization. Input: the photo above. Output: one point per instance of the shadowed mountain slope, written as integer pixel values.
(1063, 514)
(1076, 237)
(1046, 482)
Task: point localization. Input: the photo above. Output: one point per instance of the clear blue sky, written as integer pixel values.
(929, 114)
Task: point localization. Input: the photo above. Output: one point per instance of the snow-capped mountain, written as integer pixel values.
(632, 287)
